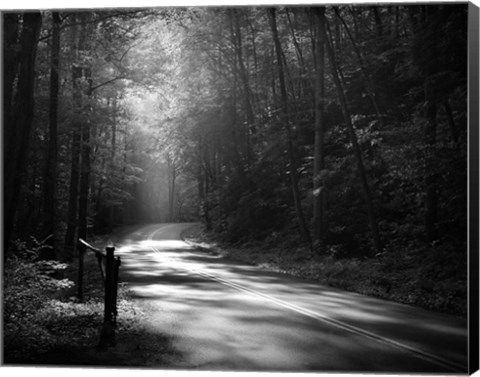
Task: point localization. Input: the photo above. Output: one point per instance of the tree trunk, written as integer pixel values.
(356, 148)
(84, 179)
(330, 38)
(337, 41)
(378, 21)
(255, 63)
(203, 185)
(431, 95)
(77, 73)
(73, 188)
(238, 157)
(202, 191)
(84, 184)
(172, 177)
(17, 131)
(319, 162)
(285, 120)
(243, 72)
(50, 178)
(304, 82)
(111, 221)
(10, 63)
(451, 121)
(236, 38)
(431, 193)
(366, 78)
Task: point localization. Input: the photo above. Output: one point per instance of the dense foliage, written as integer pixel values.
(28, 284)
(402, 71)
(44, 323)
(339, 130)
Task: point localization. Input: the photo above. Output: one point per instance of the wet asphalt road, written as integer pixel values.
(224, 315)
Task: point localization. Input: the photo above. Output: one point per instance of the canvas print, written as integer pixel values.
(251, 188)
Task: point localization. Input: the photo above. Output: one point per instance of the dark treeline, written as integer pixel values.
(60, 129)
(339, 128)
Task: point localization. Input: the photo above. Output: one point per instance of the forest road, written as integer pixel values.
(224, 315)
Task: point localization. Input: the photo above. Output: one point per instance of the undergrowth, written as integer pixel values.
(42, 315)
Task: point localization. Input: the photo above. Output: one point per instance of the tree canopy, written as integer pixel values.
(340, 128)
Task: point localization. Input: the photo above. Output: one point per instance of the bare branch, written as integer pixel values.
(107, 82)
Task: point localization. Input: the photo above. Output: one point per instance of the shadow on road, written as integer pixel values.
(213, 326)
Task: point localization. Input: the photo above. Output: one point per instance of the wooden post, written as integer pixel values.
(115, 289)
(81, 252)
(110, 281)
(107, 336)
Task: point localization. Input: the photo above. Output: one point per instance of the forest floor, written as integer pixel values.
(433, 279)
(66, 332)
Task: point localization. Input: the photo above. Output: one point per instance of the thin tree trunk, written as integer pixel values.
(85, 148)
(124, 168)
(239, 158)
(431, 193)
(84, 178)
(284, 109)
(172, 194)
(73, 189)
(451, 121)
(243, 73)
(29, 218)
(356, 148)
(303, 70)
(272, 76)
(171, 174)
(10, 63)
(50, 179)
(430, 116)
(84, 183)
(255, 63)
(319, 162)
(295, 42)
(338, 37)
(250, 120)
(366, 78)
(311, 30)
(112, 160)
(70, 245)
(378, 21)
(17, 131)
(334, 54)
(289, 82)
(202, 191)
(396, 29)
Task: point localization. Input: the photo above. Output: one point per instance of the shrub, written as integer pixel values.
(28, 286)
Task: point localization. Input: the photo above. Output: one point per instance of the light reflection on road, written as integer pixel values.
(218, 327)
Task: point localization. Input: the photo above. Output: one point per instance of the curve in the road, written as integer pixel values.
(453, 366)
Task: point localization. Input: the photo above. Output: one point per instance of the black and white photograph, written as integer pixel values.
(271, 187)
